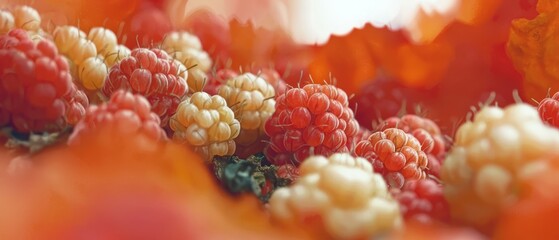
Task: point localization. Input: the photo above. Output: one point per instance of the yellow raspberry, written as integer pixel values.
(343, 194)
(27, 18)
(491, 156)
(206, 123)
(104, 39)
(66, 38)
(253, 99)
(187, 48)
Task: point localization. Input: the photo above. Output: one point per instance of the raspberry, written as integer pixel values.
(206, 123)
(36, 90)
(419, 127)
(398, 156)
(73, 43)
(7, 21)
(90, 70)
(27, 18)
(67, 37)
(422, 200)
(491, 157)
(340, 194)
(153, 74)
(384, 98)
(124, 113)
(548, 109)
(253, 99)
(313, 119)
(104, 39)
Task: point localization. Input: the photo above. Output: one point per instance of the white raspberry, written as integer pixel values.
(187, 49)
(104, 39)
(27, 18)
(206, 123)
(351, 201)
(253, 99)
(491, 156)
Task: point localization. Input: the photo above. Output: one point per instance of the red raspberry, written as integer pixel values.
(36, 90)
(420, 127)
(422, 200)
(548, 109)
(384, 98)
(312, 119)
(398, 156)
(153, 74)
(125, 112)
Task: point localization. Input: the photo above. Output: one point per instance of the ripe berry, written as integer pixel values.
(420, 127)
(153, 74)
(252, 98)
(491, 158)
(27, 18)
(88, 69)
(338, 191)
(104, 39)
(36, 90)
(73, 43)
(422, 200)
(314, 119)
(398, 156)
(206, 123)
(67, 37)
(124, 113)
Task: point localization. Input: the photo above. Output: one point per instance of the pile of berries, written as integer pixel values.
(325, 164)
